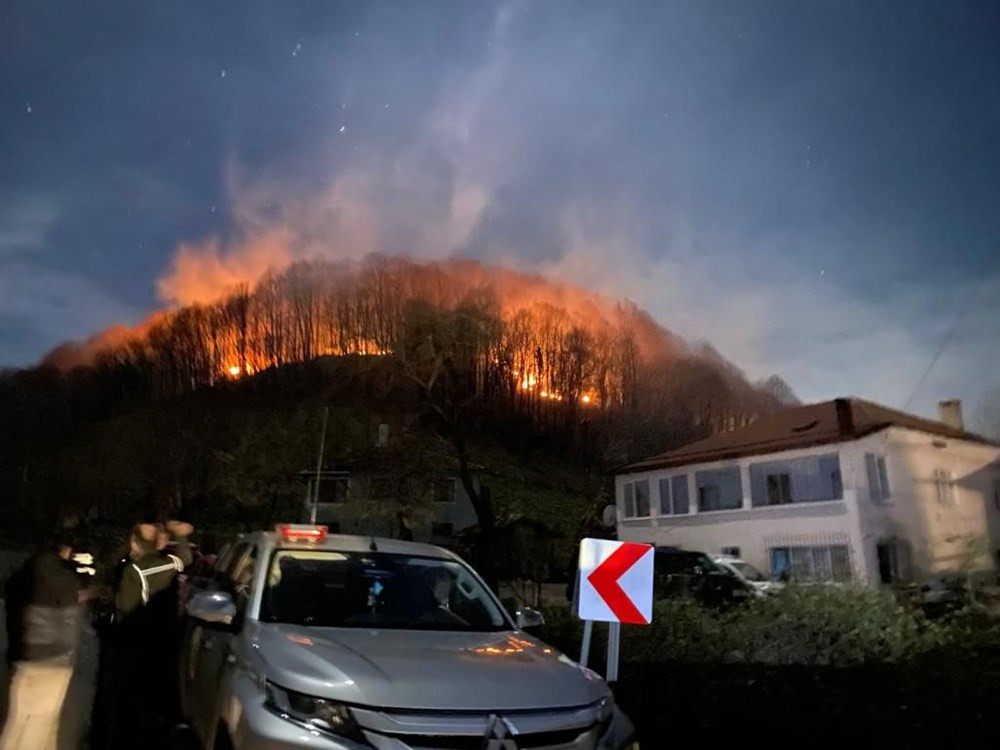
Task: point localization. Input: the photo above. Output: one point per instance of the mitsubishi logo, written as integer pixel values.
(499, 734)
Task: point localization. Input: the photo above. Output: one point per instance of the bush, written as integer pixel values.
(803, 625)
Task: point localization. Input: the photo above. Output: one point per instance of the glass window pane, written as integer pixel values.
(665, 504)
(822, 570)
(800, 480)
(679, 492)
(780, 563)
(642, 498)
(840, 561)
(719, 489)
(873, 489)
(832, 487)
(883, 478)
(779, 489)
(758, 485)
(628, 501)
(802, 563)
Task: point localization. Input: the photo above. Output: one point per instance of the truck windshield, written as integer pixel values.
(376, 590)
(748, 571)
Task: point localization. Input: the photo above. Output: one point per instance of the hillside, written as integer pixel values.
(216, 406)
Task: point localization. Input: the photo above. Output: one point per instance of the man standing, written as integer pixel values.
(146, 606)
(50, 633)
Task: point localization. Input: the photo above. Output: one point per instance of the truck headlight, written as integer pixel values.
(315, 713)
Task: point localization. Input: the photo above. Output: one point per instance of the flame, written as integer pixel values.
(557, 344)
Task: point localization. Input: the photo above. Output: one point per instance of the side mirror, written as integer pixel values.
(212, 607)
(528, 618)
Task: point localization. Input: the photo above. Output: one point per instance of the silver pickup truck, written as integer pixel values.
(309, 640)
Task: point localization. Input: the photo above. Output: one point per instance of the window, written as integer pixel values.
(779, 489)
(799, 480)
(894, 560)
(878, 477)
(446, 490)
(442, 529)
(674, 496)
(825, 562)
(325, 588)
(241, 575)
(944, 481)
(719, 489)
(636, 501)
(333, 489)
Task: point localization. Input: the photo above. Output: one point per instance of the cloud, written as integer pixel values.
(41, 307)
(25, 221)
(544, 155)
(826, 339)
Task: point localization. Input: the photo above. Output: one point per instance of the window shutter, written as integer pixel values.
(883, 478)
(873, 488)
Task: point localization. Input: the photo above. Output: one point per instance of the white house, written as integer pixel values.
(845, 489)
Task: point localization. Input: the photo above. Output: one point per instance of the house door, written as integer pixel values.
(886, 572)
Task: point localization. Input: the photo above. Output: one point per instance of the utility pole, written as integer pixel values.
(319, 465)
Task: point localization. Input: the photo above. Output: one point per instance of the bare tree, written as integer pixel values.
(439, 350)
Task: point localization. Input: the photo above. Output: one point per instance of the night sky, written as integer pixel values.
(813, 187)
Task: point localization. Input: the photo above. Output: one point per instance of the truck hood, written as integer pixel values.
(425, 670)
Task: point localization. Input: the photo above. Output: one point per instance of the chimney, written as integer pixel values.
(845, 417)
(950, 412)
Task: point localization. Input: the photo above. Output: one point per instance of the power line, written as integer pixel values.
(949, 335)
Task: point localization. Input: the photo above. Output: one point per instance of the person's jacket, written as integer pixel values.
(51, 618)
(146, 582)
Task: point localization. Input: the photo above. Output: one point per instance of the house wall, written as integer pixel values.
(962, 535)
(360, 516)
(754, 530)
(940, 537)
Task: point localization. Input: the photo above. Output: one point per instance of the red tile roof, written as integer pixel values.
(834, 421)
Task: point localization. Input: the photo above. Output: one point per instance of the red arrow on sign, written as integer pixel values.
(604, 579)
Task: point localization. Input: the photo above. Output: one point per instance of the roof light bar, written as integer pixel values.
(301, 532)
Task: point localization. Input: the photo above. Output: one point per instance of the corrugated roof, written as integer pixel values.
(834, 421)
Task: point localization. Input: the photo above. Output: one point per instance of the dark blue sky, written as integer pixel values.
(812, 187)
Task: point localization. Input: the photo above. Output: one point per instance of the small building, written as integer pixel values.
(385, 493)
(841, 490)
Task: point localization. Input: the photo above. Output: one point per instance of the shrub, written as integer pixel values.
(805, 625)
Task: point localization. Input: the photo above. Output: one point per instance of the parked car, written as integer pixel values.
(680, 572)
(754, 578)
(311, 640)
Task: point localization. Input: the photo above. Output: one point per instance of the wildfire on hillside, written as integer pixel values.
(556, 343)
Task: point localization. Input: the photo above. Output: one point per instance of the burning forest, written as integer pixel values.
(538, 342)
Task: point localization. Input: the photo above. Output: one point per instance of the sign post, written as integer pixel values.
(614, 585)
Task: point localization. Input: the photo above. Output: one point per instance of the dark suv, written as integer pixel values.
(679, 572)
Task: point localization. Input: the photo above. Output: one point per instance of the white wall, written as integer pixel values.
(753, 530)
(963, 535)
(960, 536)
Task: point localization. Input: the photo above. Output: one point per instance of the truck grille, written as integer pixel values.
(571, 739)
(554, 729)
